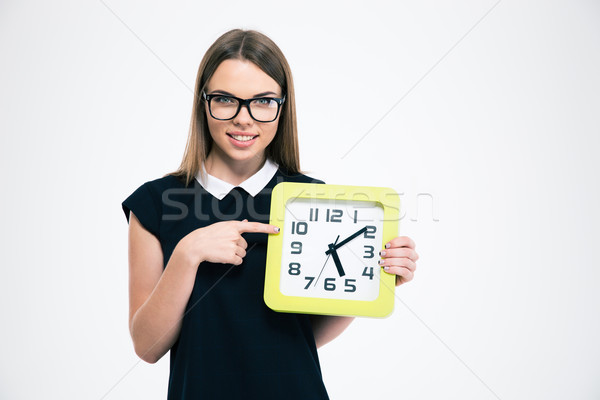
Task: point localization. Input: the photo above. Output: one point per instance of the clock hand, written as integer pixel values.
(343, 242)
(327, 259)
(336, 260)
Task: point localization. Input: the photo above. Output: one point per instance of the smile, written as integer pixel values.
(242, 138)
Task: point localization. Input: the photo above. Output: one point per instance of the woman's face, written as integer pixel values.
(241, 138)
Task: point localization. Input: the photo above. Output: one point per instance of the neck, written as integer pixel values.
(233, 171)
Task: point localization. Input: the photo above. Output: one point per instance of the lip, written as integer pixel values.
(242, 143)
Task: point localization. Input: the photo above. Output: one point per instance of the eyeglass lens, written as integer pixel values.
(224, 107)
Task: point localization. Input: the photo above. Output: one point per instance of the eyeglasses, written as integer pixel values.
(261, 109)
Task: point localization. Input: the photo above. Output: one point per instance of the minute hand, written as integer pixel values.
(349, 238)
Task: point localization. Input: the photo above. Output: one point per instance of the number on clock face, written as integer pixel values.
(330, 249)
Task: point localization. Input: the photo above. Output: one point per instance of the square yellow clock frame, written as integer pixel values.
(325, 258)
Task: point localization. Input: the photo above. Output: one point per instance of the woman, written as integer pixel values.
(195, 282)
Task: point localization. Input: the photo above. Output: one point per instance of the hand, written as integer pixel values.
(399, 257)
(221, 242)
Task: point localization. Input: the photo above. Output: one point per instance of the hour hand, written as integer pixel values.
(336, 259)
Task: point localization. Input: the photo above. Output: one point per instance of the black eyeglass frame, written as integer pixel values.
(243, 103)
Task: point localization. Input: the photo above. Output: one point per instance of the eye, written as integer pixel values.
(264, 102)
(223, 100)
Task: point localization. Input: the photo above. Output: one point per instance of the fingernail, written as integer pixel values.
(382, 253)
(386, 269)
(387, 245)
(276, 229)
(380, 262)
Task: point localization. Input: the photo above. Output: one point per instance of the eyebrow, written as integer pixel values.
(262, 94)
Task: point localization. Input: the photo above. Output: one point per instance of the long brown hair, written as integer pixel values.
(257, 48)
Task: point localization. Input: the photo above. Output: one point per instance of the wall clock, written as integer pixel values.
(325, 258)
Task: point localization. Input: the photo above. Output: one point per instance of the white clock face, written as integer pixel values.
(331, 249)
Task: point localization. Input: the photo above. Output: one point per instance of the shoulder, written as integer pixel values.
(146, 202)
(167, 182)
(151, 192)
(285, 176)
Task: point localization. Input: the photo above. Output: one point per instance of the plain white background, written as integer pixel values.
(483, 114)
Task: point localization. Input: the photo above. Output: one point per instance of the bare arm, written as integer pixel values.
(157, 299)
(326, 327)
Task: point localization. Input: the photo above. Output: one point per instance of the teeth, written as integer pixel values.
(242, 138)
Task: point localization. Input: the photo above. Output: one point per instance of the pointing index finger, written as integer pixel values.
(257, 227)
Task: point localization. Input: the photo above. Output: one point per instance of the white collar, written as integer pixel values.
(253, 185)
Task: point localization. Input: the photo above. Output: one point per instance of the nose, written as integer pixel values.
(243, 117)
